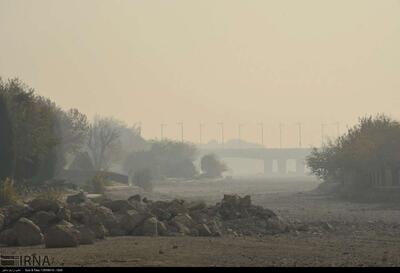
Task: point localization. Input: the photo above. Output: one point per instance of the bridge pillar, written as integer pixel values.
(281, 166)
(267, 166)
(300, 166)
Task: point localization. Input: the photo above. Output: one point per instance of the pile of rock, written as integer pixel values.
(81, 221)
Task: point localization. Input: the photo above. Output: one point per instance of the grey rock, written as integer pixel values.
(8, 237)
(43, 204)
(59, 236)
(28, 234)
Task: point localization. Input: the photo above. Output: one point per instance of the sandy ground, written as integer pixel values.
(356, 234)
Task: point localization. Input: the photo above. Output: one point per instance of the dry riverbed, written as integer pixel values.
(331, 232)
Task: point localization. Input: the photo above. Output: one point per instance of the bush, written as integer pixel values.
(212, 166)
(8, 194)
(51, 194)
(143, 178)
(97, 183)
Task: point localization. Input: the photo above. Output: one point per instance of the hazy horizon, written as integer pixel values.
(210, 61)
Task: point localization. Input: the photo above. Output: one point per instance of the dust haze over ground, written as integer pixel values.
(330, 232)
(159, 89)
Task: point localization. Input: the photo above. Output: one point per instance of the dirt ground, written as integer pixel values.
(335, 233)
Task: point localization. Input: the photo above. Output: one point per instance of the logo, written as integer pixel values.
(25, 261)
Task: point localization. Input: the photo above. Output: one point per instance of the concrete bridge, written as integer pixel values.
(268, 155)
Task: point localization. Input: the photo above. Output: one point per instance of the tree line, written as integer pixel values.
(39, 139)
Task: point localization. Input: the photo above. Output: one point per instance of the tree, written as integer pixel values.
(165, 159)
(103, 140)
(6, 141)
(139, 160)
(212, 166)
(32, 122)
(72, 130)
(82, 161)
(365, 153)
(142, 178)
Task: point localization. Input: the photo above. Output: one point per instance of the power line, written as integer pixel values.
(181, 124)
(322, 133)
(138, 125)
(262, 132)
(299, 124)
(201, 125)
(240, 125)
(162, 125)
(221, 124)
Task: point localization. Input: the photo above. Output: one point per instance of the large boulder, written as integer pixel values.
(131, 220)
(59, 236)
(177, 228)
(204, 230)
(196, 205)
(13, 212)
(77, 198)
(98, 229)
(276, 224)
(117, 231)
(64, 214)
(150, 227)
(44, 219)
(215, 228)
(86, 235)
(135, 198)
(184, 219)
(8, 237)
(105, 216)
(91, 214)
(261, 212)
(118, 205)
(235, 207)
(44, 204)
(200, 216)
(1, 221)
(162, 229)
(28, 234)
(245, 202)
(232, 200)
(161, 214)
(139, 206)
(176, 207)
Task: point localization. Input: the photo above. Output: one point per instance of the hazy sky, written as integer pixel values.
(208, 61)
